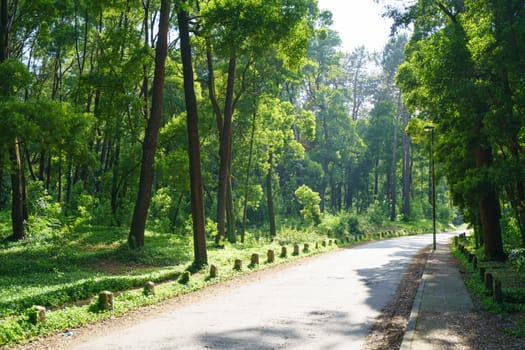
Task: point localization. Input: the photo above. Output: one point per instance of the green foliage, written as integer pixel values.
(184, 277)
(340, 225)
(310, 201)
(517, 258)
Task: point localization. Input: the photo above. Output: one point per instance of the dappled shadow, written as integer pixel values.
(309, 329)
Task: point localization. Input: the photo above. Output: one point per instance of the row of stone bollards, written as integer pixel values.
(491, 284)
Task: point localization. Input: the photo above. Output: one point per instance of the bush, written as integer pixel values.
(310, 201)
(517, 258)
(341, 225)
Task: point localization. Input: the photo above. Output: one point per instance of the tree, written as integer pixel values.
(231, 35)
(149, 146)
(441, 79)
(197, 205)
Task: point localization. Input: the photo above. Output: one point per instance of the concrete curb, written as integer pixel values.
(408, 337)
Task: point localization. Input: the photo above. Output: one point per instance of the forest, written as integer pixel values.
(230, 119)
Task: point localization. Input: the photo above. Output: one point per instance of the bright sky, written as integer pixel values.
(358, 22)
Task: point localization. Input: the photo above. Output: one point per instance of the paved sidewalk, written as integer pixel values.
(441, 294)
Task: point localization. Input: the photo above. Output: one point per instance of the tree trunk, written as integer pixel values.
(192, 118)
(225, 152)
(348, 190)
(230, 217)
(490, 212)
(18, 188)
(17, 193)
(269, 196)
(406, 173)
(248, 171)
(393, 173)
(149, 146)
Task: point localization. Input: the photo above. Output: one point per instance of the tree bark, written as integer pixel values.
(490, 212)
(192, 118)
(18, 188)
(225, 152)
(248, 171)
(149, 146)
(407, 176)
(18, 216)
(393, 172)
(269, 196)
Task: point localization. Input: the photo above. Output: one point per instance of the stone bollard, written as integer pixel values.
(37, 314)
(149, 288)
(295, 249)
(306, 248)
(323, 243)
(283, 252)
(214, 271)
(329, 242)
(237, 265)
(316, 245)
(475, 262)
(482, 271)
(497, 295)
(335, 241)
(270, 256)
(254, 261)
(105, 300)
(488, 280)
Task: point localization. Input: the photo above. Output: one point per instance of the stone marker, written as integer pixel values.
(237, 265)
(488, 280)
(37, 314)
(255, 259)
(149, 288)
(295, 249)
(482, 271)
(306, 248)
(497, 294)
(270, 256)
(105, 300)
(283, 252)
(214, 271)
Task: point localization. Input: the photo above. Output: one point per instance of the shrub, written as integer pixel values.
(517, 258)
(310, 201)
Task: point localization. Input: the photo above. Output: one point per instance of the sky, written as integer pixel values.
(358, 22)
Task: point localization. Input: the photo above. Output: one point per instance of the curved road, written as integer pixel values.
(329, 302)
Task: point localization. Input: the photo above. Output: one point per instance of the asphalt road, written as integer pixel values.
(329, 302)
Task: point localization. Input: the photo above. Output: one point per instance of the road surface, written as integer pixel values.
(329, 302)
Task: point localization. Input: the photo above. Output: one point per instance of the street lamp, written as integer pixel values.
(430, 128)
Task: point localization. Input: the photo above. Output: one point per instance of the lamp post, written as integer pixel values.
(430, 128)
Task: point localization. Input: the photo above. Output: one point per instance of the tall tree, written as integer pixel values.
(149, 145)
(442, 79)
(197, 200)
